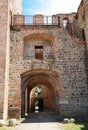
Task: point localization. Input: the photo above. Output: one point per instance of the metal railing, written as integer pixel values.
(32, 20)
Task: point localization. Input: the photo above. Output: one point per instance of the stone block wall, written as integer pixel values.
(69, 63)
(29, 49)
(81, 14)
(82, 17)
(4, 57)
(15, 6)
(64, 54)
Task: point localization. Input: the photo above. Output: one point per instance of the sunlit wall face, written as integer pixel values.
(15, 6)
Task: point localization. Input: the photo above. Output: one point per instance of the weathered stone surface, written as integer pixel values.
(66, 120)
(15, 6)
(72, 120)
(51, 55)
(3, 123)
(12, 122)
(67, 60)
(4, 28)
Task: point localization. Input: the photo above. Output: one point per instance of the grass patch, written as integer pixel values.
(75, 126)
(7, 128)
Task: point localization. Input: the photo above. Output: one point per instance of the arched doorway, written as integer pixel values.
(40, 99)
(47, 80)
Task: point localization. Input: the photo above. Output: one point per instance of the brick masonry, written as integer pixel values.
(63, 67)
(68, 61)
(4, 29)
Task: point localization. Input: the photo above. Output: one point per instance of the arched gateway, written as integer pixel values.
(33, 47)
(48, 80)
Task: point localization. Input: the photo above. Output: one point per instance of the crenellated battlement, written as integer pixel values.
(39, 19)
(67, 22)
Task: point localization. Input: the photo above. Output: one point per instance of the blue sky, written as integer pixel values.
(49, 7)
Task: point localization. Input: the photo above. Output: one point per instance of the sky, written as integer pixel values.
(49, 7)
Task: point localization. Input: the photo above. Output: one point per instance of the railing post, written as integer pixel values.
(47, 20)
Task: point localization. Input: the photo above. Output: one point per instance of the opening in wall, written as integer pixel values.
(65, 21)
(39, 52)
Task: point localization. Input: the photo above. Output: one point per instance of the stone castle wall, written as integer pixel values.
(63, 53)
(15, 6)
(4, 53)
(69, 62)
(7, 8)
(82, 16)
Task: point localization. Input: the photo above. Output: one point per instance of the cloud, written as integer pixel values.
(49, 7)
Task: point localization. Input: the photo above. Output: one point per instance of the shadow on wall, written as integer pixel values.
(83, 126)
(41, 117)
(82, 122)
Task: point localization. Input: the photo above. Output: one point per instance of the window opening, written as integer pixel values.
(39, 52)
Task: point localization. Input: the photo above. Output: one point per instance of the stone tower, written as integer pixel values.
(15, 6)
(6, 7)
(86, 21)
(83, 18)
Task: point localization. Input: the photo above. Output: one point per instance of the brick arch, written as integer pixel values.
(39, 77)
(28, 76)
(47, 94)
(39, 81)
(40, 37)
(37, 43)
